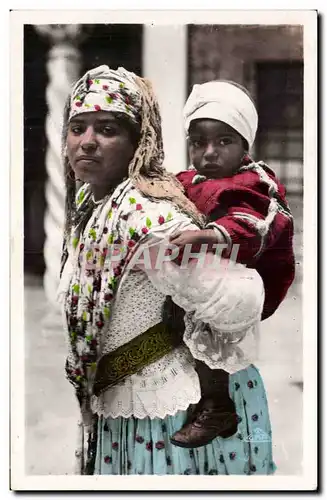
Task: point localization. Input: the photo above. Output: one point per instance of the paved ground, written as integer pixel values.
(51, 411)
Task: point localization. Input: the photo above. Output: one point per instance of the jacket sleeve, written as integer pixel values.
(252, 214)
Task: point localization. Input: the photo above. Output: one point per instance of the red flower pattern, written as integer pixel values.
(95, 286)
(117, 271)
(160, 445)
(149, 445)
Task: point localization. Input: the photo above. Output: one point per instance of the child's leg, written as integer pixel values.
(212, 382)
(215, 414)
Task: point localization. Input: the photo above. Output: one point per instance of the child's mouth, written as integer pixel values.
(210, 168)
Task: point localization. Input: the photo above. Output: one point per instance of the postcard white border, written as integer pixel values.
(308, 480)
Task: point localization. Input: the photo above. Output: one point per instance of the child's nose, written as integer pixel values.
(211, 152)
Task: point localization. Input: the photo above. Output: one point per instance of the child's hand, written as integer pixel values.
(199, 237)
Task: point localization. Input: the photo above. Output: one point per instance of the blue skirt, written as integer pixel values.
(142, 446)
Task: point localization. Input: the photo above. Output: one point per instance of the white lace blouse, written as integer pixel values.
(229, 300)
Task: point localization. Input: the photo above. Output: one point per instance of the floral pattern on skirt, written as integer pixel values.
(142, 446)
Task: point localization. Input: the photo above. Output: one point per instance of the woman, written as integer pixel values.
(133, 375)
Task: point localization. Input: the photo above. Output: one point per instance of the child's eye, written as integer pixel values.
(197, 143)
(225, 141)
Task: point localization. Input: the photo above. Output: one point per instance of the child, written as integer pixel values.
(244, 204)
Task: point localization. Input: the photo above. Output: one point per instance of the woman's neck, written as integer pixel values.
(99, 192)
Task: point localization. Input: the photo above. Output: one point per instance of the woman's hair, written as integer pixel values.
(146, 169)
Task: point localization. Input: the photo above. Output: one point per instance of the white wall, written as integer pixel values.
(165, 64)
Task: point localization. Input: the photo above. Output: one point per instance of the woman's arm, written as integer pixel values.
(222, 293)
(223, 300)
(223, 303)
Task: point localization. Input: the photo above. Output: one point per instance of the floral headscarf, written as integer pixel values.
(104, 89)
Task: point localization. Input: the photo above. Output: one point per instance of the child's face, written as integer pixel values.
(216, 149)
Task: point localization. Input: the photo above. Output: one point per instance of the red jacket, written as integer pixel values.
(252, 211)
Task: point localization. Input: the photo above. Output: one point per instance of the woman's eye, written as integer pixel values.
(108, 130)
(76, 129)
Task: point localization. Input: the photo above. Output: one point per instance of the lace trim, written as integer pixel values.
(221, 350)
(155, 397)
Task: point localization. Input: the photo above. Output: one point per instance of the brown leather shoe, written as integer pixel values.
(210, 421)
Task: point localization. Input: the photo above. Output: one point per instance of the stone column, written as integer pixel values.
(63, 68)
(165, 64)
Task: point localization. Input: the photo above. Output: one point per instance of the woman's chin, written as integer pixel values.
(85, 176)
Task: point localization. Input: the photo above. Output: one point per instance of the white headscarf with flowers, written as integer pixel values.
(104, 89)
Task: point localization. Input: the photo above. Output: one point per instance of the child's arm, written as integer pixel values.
(255, 216)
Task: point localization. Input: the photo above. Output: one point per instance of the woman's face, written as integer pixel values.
(99, 148)
(216, 149)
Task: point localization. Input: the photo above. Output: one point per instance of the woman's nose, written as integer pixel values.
(88, 140)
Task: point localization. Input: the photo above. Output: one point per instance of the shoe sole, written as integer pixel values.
(187, 445)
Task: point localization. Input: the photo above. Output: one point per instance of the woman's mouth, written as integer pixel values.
(87, 160)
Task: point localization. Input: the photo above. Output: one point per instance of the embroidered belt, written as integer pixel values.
(140, 352)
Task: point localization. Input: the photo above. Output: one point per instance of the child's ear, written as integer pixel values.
(188, 145)
(245, 146)
(246, 159)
